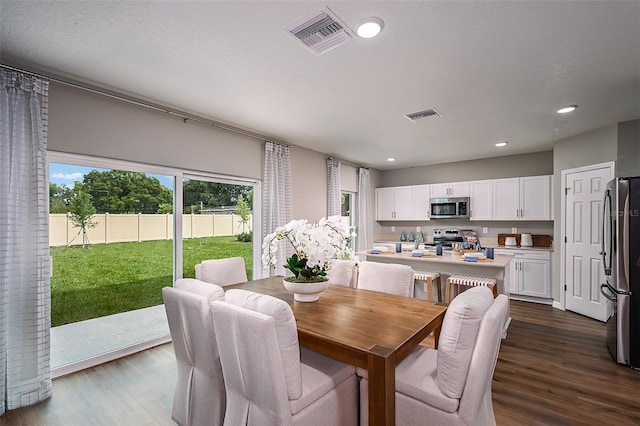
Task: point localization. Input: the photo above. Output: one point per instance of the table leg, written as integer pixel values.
(382, 386)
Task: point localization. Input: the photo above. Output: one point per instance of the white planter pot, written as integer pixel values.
(305, 292)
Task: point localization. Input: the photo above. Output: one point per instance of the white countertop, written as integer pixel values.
(534, 248)
(500, 260)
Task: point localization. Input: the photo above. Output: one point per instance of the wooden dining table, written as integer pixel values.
(371, 330)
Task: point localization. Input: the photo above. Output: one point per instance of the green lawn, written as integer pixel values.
(109, 278)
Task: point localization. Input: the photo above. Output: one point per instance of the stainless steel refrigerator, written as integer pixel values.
(621, 261)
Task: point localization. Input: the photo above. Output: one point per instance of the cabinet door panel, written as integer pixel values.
(534, 198)
(421, 196)
(506, 199)
(535, 278)
(459, 189)
(404, 202)
(481, 199)
(439, 190)
(384, 203)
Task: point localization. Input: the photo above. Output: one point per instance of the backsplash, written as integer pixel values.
(490, 238)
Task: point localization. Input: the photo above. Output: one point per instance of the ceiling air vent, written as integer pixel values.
(321, 32)
(427, 113)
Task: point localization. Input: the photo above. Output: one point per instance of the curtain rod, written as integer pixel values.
(348, 163)
(185, 117)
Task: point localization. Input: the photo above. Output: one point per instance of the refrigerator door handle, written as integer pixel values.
(607, 219)
(610, 292)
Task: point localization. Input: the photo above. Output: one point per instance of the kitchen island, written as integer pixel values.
(447, 264)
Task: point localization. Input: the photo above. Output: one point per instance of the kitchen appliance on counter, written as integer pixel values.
(621, 262)
(526, 240)
(449, 208)
(510, 242)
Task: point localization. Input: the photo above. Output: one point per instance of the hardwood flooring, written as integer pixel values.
(553, 369)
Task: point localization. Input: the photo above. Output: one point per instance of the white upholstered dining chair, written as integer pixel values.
(199, 396)
(451, 385)
(269, 379)
(222, 272)
(386, 278)
(343, 272)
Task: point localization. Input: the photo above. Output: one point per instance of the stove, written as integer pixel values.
(446, 237)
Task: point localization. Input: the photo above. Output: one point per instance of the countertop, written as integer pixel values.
(534, 248)
(500, 260)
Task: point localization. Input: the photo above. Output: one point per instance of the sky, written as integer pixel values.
(67, 174)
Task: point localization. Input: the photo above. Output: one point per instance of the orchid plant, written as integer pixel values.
(315, 245)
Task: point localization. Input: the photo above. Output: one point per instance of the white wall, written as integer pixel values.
(85, 123)
(535, 164)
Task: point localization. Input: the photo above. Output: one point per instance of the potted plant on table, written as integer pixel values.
(315, 245)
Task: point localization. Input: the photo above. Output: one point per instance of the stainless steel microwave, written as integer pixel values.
(449, 208)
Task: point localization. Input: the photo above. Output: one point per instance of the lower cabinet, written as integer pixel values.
(529, 273)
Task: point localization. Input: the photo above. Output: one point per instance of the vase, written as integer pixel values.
(305, 292)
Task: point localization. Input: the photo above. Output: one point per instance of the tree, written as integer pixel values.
(242, 210)
(81, 212)
(198, 193)
(59, 198)
(117, 191)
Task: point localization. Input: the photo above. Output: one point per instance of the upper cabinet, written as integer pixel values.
(403, 203)
(525, 198)
(421, 207)
(481, 194)
(449, 190)
(395, 203)
(521, 198)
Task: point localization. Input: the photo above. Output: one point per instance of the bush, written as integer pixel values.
(245, 237)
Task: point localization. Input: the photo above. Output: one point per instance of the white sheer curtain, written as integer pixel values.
(365, 213)
(25, 375)
(334, 205)
(277, 199)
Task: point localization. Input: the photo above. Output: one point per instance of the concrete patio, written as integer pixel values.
(84, 344)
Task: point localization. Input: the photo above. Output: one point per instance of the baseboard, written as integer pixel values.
(558, 305)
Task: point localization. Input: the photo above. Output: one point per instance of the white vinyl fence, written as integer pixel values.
(118, 228)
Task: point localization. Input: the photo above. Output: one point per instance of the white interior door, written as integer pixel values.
(584, 189)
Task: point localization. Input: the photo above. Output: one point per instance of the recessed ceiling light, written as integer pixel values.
(502, 143)
(391, 159)
(567, 109)
(370, 27)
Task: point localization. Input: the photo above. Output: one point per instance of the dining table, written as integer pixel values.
(367, 329)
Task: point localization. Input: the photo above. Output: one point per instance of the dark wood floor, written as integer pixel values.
(553, 369)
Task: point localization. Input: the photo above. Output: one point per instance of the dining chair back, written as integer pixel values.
(451, 385)
(386, 278)
(222, 272)
(199, 396)
(269, 380)
(343, 272)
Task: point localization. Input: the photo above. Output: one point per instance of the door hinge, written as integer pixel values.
(566, 191)
(565, 238)
(565, 287)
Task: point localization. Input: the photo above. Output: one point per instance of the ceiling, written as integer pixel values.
(495, 70)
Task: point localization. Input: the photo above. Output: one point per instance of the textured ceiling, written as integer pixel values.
(494, 70)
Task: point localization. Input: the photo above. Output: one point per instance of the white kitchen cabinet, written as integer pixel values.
(525, 198)
(481, 194)
(394, 203)
(529, 274)
(450, 190)
(421, 207)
